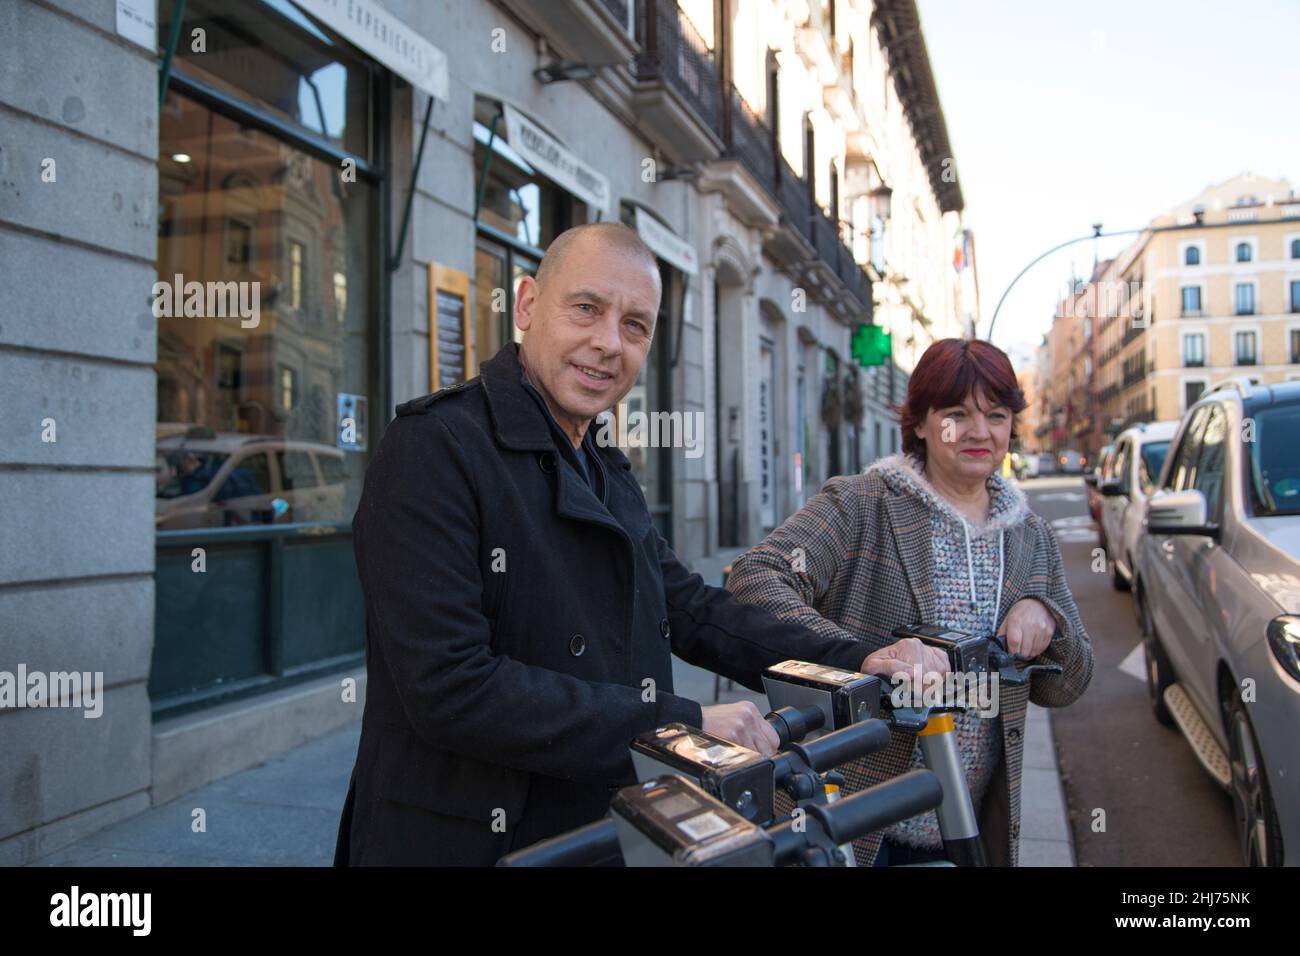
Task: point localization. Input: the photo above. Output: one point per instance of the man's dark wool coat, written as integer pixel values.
(519, 632)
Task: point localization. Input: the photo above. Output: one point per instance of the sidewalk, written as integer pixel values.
(286, 811)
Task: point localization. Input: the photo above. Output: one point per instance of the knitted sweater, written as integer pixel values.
(956, 571)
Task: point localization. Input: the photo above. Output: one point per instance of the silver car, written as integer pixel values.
(1218, 595)
(1135, 464)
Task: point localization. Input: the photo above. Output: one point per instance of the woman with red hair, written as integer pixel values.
(935, 536)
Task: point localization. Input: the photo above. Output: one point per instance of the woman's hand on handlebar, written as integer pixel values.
(908, 656)
(741, 723)
(1029, 627)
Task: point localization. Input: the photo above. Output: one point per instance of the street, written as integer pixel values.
(1160, 807)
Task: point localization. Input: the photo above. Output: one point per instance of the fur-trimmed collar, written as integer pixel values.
(905, 474)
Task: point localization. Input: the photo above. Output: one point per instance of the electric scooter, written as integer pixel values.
(845, 697)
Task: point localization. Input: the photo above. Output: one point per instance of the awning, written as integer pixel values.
(666, 244)
(551, 159)
(371, 28)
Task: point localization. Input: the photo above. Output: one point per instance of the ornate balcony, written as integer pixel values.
(677, 91)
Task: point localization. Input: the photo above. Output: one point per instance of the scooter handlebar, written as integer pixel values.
(886, 803)
(586, 846)
(793, 724)
(841, 746)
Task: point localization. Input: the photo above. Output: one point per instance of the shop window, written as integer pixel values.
(519, 212)
(230, 371)
(270, 333)
(276, 59)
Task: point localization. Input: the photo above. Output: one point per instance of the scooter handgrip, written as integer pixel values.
(880, 806)
(587, 846)
(793, 724)
(838, 748)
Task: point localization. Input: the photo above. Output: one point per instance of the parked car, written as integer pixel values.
(1139, 454)
(209, 479)
(1046, 464)
(1218, 594)
(1071, 462)
(1093, 480)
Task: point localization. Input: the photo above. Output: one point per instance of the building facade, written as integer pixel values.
(1210, 290)
(234, 240)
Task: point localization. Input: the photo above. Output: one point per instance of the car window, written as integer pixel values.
(1151, 461)
(296, 470)
(1275, 461)
(1188, 449)
(333, 468)
(250, 476)
(1209, 467)
(1117, 465)
(183, 471)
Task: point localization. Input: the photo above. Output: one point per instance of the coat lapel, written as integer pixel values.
(910, 521)
(1019, 550)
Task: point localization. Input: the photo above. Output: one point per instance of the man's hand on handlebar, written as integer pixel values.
(908, 656)
(741, 723)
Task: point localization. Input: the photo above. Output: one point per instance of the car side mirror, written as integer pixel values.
(1090, 479)
(1112, 488)
(1179, 512)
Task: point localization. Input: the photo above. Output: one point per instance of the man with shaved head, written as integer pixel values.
(521, 608)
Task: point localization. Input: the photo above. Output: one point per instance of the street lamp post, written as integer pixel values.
(1096, 234)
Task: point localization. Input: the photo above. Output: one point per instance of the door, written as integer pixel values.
(1194, 557)
(766, 435)
(1165, 590)
(1112, 508)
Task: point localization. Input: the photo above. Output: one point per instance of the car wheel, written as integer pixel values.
(1160, 675)
(1252, 801)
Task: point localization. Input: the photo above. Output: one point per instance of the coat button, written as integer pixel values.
(546, 462)
(664, 629)
(577, 645)
(1013, 734)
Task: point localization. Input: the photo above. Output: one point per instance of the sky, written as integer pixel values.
(1062, 114)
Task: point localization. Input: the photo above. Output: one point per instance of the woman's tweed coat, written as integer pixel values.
(866, 566)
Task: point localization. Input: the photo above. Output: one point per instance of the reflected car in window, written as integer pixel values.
(209, 479)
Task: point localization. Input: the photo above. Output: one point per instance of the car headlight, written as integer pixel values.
(1284, 639)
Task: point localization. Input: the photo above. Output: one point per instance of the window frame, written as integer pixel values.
(1251, 284)
(1184, 335)
(1254, 329)
(1191, 433)
(1214, 515)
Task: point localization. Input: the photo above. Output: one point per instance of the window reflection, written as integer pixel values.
(248, 421)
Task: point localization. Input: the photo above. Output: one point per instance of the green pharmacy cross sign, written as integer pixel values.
(870, 345)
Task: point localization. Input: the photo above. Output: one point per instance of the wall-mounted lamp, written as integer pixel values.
(678, 172)
(562, 70)
(881, 196)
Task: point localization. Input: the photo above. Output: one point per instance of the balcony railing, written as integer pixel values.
(673, 50)
(617, 7)
(750, 140)
(793, 197)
